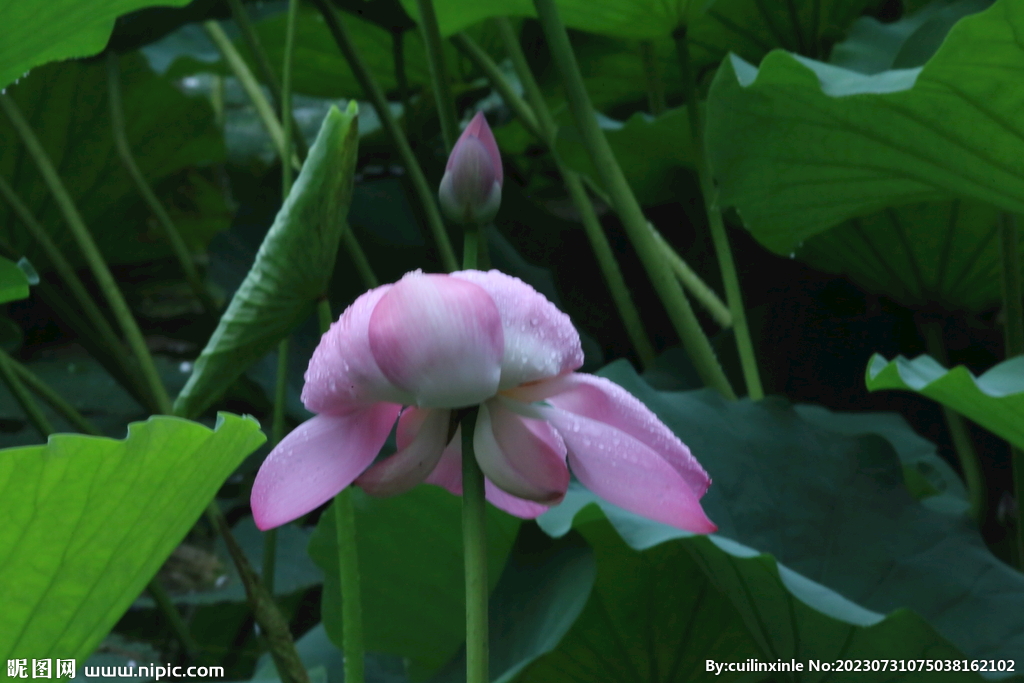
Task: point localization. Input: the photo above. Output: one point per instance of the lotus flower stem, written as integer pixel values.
(962, 444)
(56, 401)
(376, 96)
(251, 86)
(664, 280)
(92, 254)
(124, 152)
(259, 56)
(538, 120)
(1013, 310)
(733, 293)
(652, 77)
(438, 73)
(105, 338)
(474, 542)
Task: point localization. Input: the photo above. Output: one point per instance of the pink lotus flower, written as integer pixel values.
(470, 190)
(436, 343)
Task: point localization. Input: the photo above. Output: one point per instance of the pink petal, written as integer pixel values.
(421, 440)
(540, 340)
(626, 472)
(342, 373)
(605, 401)
(479, 129)
(316, 461)
(438, 338)
(448, 475)
(522, 456)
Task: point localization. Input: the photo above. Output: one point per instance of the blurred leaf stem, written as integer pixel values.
(669, 290)
(252, 88)
(957, 425)
(96, 329)
(28, 404)
(733, 293)
(124, 152)
(652, 77)
(259, 55)
(56, 401)
(1013, 312)
(426, 195)
(438, 73)
(92, 254)
(537, 119)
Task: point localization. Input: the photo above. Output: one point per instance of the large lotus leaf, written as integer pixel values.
(833, 508)
(748, 27)
(872, 46)
(799, 146)
(918, 254)
(540, 595)
(411, 567)
(670, 601)
(995, 400)
(652, 616)
(292, 267)
(36, 33)
(89, 520)
(653, 153)
(67, 106)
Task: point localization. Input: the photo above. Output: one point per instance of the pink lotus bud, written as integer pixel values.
(471, 187)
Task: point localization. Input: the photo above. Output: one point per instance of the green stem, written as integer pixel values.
(474, 546)
(124, 152)
(359, 259)
(517, 104)
(1013, 311)
(664, 280)
(733, 293)
(351, 598)
(265, 611)
(101, 330)
(259, 55)
(655, 86)
(704, 295)
(56, 401)
(91, 253)
(348, 558)
(539, 116)
(398, 57)
(32, 409)
(240, 69)
(470, 247)
(426, 195)
(178, 626)
(957, 425)
(438, 73)
(276, 434)
(285, 95)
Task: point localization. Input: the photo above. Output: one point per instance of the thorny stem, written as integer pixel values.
(92, 254)
(733, 293)
(426, 195)
(669, 290)
(704, 295)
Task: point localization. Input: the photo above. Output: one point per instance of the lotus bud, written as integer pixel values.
(470, 190)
